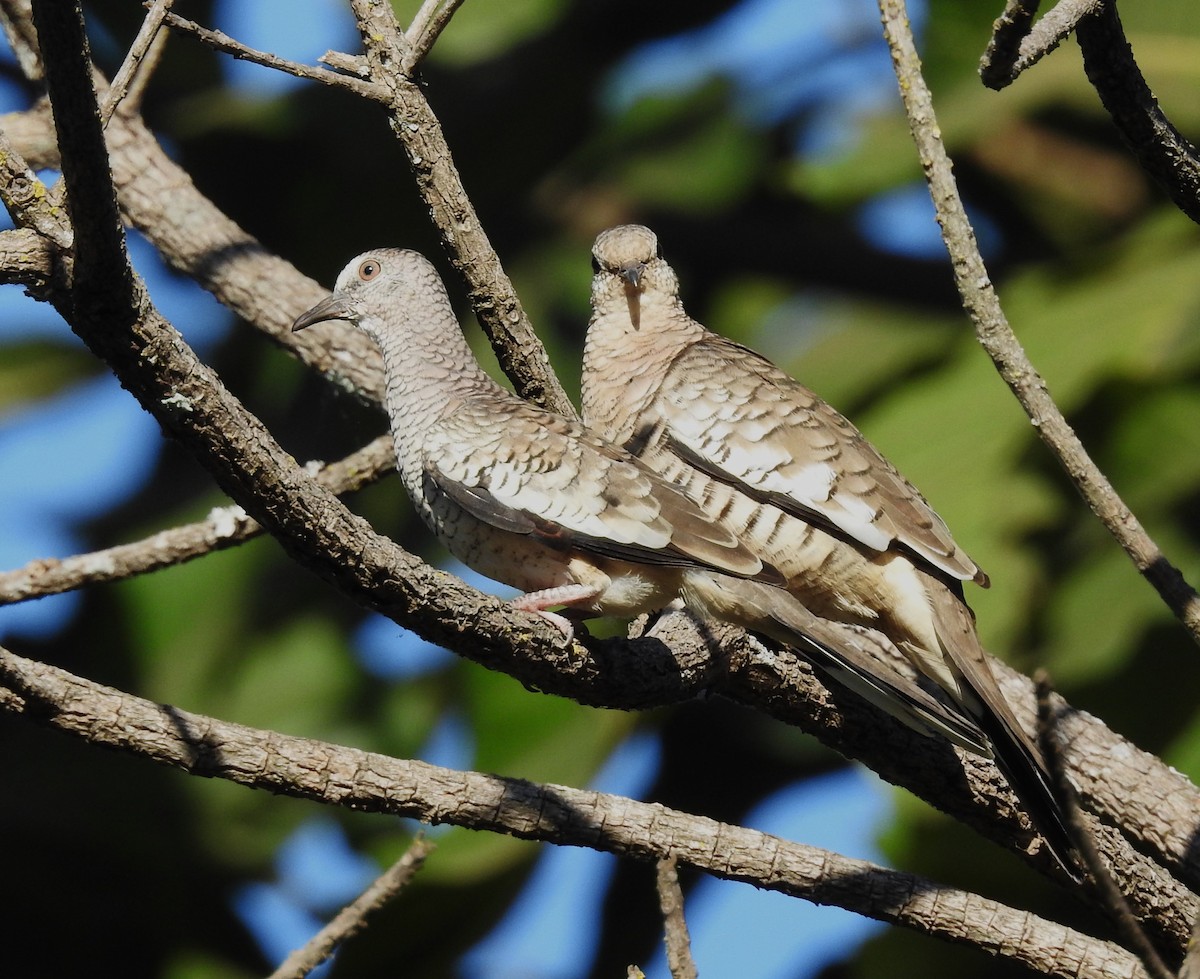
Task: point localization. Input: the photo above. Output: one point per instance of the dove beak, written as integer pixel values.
(333, 307)
(632, 273)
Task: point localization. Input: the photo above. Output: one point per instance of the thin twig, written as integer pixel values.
(222, 528)
(1111, 898)
(675, 929)
(426, 26)
(354, 917)
(996, 336)
(132, 103)
(17, 21)
(221, 41)
(359, 780)
(1017, 43)
(131, 67)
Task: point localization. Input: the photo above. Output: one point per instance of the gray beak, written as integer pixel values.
(632, 273)
(333, 307)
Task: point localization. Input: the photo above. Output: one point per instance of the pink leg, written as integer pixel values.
(538, 601)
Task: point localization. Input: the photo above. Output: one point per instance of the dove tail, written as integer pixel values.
(836, 651)
(1017, 755)
(1022, 764)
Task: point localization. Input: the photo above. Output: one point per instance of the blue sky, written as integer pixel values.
(74, 456)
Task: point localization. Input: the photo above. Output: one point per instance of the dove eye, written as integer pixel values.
(368, 270)
(595, 264)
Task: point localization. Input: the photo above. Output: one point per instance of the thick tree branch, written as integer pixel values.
(26, 258)
(361, 780)
(103, 278)
(997, 338)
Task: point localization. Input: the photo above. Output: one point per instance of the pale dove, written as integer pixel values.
(799, 484)
(533, 499)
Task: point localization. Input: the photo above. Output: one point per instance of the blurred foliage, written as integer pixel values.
(1100, 277)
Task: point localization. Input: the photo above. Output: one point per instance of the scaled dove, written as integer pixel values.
(533, 499)
(799, 484)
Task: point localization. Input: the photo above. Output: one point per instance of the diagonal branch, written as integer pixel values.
(360, 780)
(425, 29)
(223, 528)
(521, 354)
(997, 338)
(353, 918)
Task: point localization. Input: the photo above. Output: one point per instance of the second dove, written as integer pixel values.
(799, 484)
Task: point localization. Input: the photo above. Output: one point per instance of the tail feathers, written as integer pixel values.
(1022, 764)
(1017, 755)
(835, 651)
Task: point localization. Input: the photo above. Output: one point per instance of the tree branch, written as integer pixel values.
(360, 780)
(355, 917)
(996, 336)
(1017, 43)
(1161, 149)
(1111, 898)
(26, 257)
(24, 196)
(223, 528)
(518, 349)
(102, 277)
(675, 930)
(220, 41)
(425, 29)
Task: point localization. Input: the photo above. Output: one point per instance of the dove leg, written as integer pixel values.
(539, 601)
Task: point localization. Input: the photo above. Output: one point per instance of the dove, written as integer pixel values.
(533, 499)
(801, 486)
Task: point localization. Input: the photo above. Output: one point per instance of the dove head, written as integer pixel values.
(397, 298)
(385, 291)
(628, 259)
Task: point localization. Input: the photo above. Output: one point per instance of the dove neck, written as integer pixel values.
(625, 359)
(429, 368)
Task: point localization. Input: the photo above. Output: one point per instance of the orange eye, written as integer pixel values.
(368, 270)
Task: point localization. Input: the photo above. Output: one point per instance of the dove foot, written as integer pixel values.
(539, 601)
